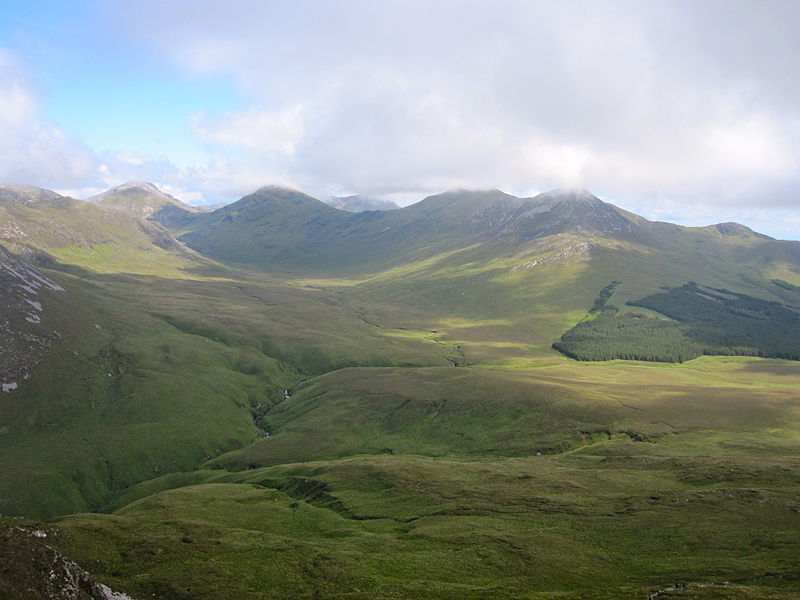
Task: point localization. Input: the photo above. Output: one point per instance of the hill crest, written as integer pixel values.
(26, 194)
(277, 225)
(144, 199)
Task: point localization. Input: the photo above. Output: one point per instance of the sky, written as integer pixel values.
(684, 111)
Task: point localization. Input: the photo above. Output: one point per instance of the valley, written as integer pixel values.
(426, 439)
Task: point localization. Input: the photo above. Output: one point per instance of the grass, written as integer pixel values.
(388, 473)
(156, 374)
(610, 523)
(478, 412)
(612, 515)
(111, 257)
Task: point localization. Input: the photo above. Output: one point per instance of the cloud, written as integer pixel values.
(265, 131)
(32, 149)
(639, 100)
(220, 179)
(654, 106)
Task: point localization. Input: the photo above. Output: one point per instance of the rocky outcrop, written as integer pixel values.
(31, 570)
(577, 212)
(580, 249)
(24, 294)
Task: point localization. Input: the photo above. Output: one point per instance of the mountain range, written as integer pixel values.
(477, 395)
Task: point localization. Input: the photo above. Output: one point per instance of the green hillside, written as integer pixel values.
(657, 498)
(281, 228)
(45, 227)
(293, 401)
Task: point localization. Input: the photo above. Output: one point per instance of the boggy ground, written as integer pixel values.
(568, 481)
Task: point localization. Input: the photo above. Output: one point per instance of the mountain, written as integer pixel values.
(357, 203)
(276, 227)
(25, 194)
(737, 229)
(140, 198)
(273, 224)
(280, 399)
(473, 240)
(45, 228)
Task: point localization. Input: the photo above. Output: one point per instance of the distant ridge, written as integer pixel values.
(141, 198)
(278, 227)
(26, 194)
(43, 227)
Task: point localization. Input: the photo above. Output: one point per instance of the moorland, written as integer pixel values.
(476, 396)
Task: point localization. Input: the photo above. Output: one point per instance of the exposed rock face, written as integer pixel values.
(24, 293)
(581, 249)
(31, 570)
(575, 212)
(550, 213)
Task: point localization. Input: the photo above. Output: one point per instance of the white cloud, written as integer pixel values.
(653, 105)
(635, 99)
(32, 149)
(257, 129)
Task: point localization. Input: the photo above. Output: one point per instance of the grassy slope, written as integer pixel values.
(477, 412)
(93, 237)
(155, 374)
(122, 398)
(706, 495)
(615, 520)
(464, 507)
(159, 369)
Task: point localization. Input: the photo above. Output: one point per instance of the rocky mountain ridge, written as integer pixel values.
(141, 198)
(281, 226)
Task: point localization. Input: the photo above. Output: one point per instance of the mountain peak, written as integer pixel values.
(473, 193)
(275, 188)
(145, 185)
(578, 211)
(132, 187)
(278, 194)
(26, 193)
(141, 198)
(274, 201)
(737, 229)
(464, 198)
